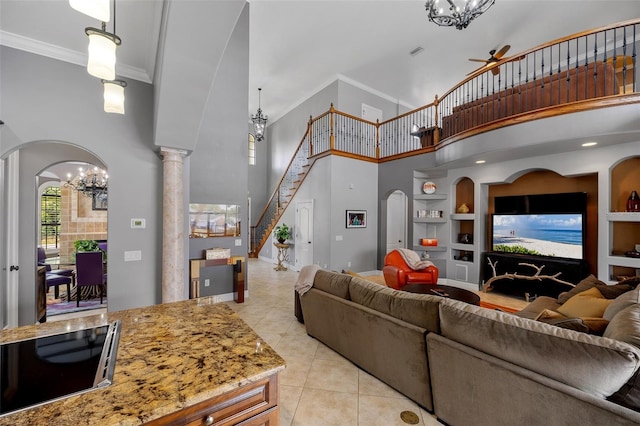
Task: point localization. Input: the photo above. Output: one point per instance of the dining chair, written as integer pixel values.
(55, 277)
(89, 272)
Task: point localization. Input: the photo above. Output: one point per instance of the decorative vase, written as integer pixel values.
(281, 240)
(633, 203)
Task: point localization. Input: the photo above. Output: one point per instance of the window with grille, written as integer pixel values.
(50, 217)
(252, 150)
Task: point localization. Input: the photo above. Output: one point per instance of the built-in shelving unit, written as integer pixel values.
(430, 220)
(463, 257)
(624, 227)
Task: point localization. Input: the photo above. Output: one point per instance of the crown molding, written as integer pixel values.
(63, 54)
(375, 92)
(331, 80)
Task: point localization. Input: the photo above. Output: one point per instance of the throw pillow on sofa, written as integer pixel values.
(589, 303)
(608, 291)
(591, 325)
(625, 327)
(622, 302)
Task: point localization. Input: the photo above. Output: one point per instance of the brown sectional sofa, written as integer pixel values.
(379, 329)
(585, 82)
(472, 365)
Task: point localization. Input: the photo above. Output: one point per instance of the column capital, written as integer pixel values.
(172, 152)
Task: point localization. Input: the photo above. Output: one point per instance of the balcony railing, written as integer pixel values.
(588, 70)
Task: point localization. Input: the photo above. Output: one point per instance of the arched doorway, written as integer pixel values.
(396, 221)
(72, 217)
(29, 161)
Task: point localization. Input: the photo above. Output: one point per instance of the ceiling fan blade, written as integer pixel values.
(485, 61)
(502, 51)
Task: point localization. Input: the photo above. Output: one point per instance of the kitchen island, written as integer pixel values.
(188, 362)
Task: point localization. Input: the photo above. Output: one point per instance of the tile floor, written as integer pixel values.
(319, 386)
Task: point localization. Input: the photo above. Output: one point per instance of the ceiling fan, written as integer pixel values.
(493, 58)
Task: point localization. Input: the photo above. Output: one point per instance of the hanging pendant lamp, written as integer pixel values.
(114, 96)
(102, 53)
(102, 50)
(98, 9)
(259, 121)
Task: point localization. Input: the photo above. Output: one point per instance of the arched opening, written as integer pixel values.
(75, 221)
(396, 221)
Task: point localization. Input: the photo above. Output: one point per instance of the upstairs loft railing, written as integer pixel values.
(588, 70)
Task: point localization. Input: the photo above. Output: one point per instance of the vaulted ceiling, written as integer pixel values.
(297, 47)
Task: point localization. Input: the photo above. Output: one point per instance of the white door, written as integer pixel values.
(396, 221)
(10, 248)
(304, 234)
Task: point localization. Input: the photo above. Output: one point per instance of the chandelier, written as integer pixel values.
(259, 121)
(457, 16)
(91, 183)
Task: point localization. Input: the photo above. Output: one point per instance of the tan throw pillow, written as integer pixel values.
(622, 302)
(592, 325)
(608, 291)
(589, 303)
(585, 284)
(547, 314)
(596, 325)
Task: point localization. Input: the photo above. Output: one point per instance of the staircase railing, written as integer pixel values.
(289, 183)
(588, 70)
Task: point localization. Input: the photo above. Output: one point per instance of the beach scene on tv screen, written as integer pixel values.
(558, 235)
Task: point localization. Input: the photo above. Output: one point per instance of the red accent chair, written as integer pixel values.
(397, 273)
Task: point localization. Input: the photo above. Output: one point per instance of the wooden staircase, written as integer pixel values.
(292, 179)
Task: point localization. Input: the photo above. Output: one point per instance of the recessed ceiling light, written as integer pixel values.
(590, 144)
(415, 51)
(480, 161)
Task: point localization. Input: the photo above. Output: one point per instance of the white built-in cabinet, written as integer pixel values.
(427, 225)
(624, 227)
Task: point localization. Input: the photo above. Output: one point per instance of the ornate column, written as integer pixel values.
(173, 261)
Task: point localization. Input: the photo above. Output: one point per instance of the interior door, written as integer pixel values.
(396, 221)
(304, 234)
(10, 241)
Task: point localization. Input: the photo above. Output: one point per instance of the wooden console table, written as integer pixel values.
(282, 256)
(234, 262)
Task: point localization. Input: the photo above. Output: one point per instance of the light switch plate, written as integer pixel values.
(138, 223)
(131, 256)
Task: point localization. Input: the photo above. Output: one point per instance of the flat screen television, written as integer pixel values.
(546, 234)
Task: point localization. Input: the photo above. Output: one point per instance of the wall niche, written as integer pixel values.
(549, 182)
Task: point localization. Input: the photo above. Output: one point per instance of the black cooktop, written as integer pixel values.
(48, 368)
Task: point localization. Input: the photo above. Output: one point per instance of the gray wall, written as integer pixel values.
(283, 137)
(49, 100)
(351, 98)
(354, 186)
(398, 175)
(219, 164)
(337, 184)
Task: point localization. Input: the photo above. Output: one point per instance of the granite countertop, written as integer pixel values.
(170, 356)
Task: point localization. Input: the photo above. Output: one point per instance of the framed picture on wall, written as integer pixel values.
(99, 201)
(356, 218)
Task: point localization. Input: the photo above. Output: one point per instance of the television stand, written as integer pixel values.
(569, 270)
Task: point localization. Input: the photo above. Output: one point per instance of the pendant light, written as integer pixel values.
(259, 121)
(114, 96)
(98, 9)
(102, 50)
